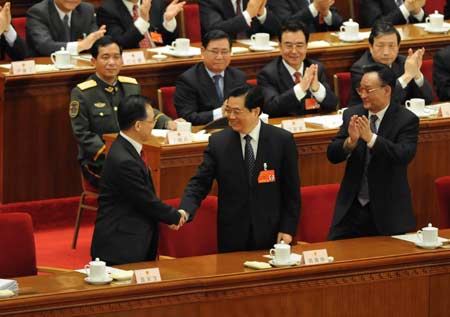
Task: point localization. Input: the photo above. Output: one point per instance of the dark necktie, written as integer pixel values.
(363, 195)
(66, 27)
(249, 158)
(298, 78)
(242, 34)
(218, 89)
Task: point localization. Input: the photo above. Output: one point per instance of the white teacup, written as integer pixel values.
(281, 253)
(261, 39)
(181, 45)
(416, 104)
(428, 235)
(61, 58)
(350, 29)
(435, 20)
(184, 126)
(97, 270)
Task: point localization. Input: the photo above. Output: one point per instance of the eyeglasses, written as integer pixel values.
(219, 52)
(235, 111)
(290, 46)
(361, 91)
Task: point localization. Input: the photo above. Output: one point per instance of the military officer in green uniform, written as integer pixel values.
(94, 104)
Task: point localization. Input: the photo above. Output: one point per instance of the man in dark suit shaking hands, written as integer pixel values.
(126, 228)
(378, 140)
(256, 168)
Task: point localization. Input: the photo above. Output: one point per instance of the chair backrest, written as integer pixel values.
(190, 22)
(443, 197)
(252, 82)
(17, 248)
(19, 25)
(342, 86)
(354, 9)
(165, 101)
(198, 237)
(316, 212)
(427, 71)
(432, 5)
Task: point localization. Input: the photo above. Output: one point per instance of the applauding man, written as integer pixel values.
(134, 25)
(10, 42)
(394, 11)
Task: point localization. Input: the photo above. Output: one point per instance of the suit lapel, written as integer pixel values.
(286, 81)
(126, 19)
(228, 9)
(56, 24)
(388, 120)
(236, 157)
(208, 90)
(261, 155)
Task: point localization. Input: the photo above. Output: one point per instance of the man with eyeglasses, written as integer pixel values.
(378, 140)
(129, 212)
(293, 84)
(384, 44)
(256, 168)
(200, 90)
(94, 105)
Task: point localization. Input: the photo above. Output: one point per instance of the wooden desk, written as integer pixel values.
(378, 276)
(38, 151)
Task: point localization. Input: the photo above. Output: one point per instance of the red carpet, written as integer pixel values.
(53, 222)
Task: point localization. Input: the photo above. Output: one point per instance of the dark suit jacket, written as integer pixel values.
(394, 149)
(17, 52)
(220, 14)
(441, 73)
(411, 90)
(268, 207)
(373, 10)
(195, 96)
(298, 9)
(45, 29)
(447, 10)
(126, 228)
(279, 96)
(120, 25)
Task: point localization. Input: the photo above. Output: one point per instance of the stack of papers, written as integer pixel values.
(10, 285)
(324, 122)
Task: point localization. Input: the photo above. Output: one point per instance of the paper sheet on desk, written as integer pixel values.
(363, 35)
(109, 270)
(250, 42)
(324, 122)
(200, 136)
(412, 237)
(316, 44)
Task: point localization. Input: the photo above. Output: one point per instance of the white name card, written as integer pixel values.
(133, 58)
(315, 257)
(23, 68)
(444, 110)
(293, 126)
(147, 275)
(179, 137)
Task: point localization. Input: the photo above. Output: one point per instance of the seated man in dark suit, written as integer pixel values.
(317, 15)
(200, 90)
(238, 18)
(293, 84)
(256, 168)
(378, 140)
(441, 73)
(394, 11)
(126, 228)
(384, 44)
(10, 42)
(52, 24)
(94, 105)
(135, 25)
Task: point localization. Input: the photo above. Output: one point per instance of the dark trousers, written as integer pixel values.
(358, 222)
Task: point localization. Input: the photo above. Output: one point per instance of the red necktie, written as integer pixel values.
(298, 78)
(145, 42)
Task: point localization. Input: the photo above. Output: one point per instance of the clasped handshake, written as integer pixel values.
(183, 219)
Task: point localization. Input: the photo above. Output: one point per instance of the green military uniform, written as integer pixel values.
(93, 112)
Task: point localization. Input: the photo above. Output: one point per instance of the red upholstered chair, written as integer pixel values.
(432, 5)
(316, 212)
(342, 86)
(190, 22)
(165, 101)
(443, 197)
(252, 82)
(198, 237)
(19, 25)
(88, 200)
(427, 71)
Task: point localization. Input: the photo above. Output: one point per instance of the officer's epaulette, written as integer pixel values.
(87, 84)
(127, 80)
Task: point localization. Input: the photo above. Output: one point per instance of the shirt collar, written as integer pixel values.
(380, 114)
(137, 146)
(62, 13)
(291, 69)
(254, 133)
(130, 5)
(211, 74)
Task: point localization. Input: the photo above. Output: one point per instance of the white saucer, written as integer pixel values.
(193, 51)
(344, 38)
(106, 281)
(159, 56)
(442, 29)
(290, 263)
(261, 48)
(70, 66)
(427, 112)
(428, 246)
